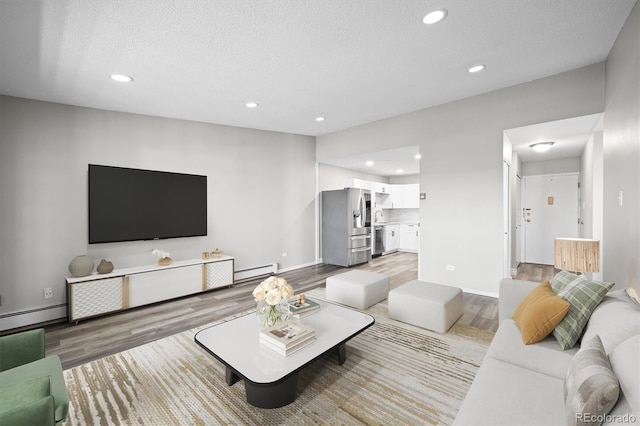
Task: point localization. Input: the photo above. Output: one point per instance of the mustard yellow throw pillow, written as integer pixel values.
(539, 313)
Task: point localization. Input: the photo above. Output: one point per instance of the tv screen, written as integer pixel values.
(133, 204)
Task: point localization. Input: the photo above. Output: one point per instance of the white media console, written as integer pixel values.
(99, 294)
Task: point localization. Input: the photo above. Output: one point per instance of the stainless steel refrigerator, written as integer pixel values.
(346, 226)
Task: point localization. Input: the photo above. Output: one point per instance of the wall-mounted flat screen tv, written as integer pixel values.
(133, 204)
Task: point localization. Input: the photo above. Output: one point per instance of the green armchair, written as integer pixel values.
(32, 387)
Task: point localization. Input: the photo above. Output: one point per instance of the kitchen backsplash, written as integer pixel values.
(401, 215)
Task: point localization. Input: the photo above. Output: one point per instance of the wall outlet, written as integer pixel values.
(48, 293)
(451, 268)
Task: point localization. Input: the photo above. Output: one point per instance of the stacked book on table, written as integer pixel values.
(301, 307)
(287, 338)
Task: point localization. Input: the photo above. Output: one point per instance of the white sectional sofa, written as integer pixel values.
(520, 384)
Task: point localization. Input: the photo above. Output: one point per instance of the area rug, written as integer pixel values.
(394, 374)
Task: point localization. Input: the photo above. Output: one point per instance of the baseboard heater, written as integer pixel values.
(256, 271)
(33, 316)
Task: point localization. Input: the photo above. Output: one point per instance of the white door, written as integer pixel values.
(550, 211)
(506, 221)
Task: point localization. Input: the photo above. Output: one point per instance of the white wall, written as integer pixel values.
(549, 167)
(261, 192)
(332, 177)
(461, 167)
(621, 153)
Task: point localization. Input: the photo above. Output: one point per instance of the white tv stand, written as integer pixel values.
(121, 289)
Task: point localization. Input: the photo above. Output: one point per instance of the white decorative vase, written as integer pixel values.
(269, 315)
(81, 266)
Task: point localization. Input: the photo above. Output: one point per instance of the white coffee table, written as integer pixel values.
(270, 379)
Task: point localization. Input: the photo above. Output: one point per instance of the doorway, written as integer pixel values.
(551, 210)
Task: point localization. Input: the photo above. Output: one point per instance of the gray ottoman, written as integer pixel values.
(433, 306)
(358, 289)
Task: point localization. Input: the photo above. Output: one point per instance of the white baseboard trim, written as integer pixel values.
(514, 272)
(33, 316)
(480, 292)
(293, 268)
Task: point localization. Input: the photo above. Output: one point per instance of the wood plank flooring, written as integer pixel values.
(99, 337)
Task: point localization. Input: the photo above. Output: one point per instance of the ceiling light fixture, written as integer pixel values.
(435, 16)
(369, 163)
(251, 104)
(541, 146)
(417, 156)
(475, 68)
(399, 171)
(319, 119)
(121, 78)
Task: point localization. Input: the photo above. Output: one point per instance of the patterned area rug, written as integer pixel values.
(394, 374)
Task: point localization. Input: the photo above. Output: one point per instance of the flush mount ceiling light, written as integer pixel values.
(251, 104)
(475, 69)
(435, 16)
(319, 119)
(399, 171)
(417, 156)
(541, 146)
(121, 78)
(369, 163)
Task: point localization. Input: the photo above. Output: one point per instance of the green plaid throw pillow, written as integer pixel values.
(583, 295)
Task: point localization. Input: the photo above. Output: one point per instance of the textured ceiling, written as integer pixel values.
(351, 61)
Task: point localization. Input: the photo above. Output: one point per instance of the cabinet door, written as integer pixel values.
(409, 238)
(90, 298)
(392, 237)
(217, 274)
(164, 284)
(396, 194)
(411, 196)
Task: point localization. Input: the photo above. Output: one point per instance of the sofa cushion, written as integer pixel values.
(544, 357)
(539, 313)
(591, 388)
(624, 361)
(584, 296)
(505, 394)
(615, 320)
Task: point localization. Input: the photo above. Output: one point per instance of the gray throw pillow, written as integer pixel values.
(591, 388)
(584, 296)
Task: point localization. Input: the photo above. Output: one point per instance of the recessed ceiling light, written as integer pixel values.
(476, 68)
(417, 156)
(435, 16)
(318, 119)
(541, 146)
(121, 78)
(399, 171)
(369, 163)
(251, 104)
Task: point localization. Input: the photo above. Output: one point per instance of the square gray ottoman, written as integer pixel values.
(358, 289)
(433, 306)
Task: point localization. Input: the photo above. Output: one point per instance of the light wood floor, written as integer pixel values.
(99, 337)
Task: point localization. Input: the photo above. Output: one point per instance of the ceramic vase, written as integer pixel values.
(104, 267)
(81, 266)
(270, 315)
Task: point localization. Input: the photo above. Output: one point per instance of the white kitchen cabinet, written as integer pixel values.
(391, 238)
(411, 196)
(362, 184)
(409, 238)
(382, 188)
